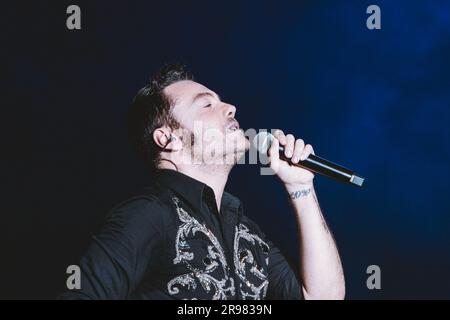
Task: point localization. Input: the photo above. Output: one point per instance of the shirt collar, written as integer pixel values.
(193, 191)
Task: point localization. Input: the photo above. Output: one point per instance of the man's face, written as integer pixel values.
(200, 111)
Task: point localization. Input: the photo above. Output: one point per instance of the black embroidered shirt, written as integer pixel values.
(172, 242)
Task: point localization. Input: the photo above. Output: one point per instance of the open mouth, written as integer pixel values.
(233, 126)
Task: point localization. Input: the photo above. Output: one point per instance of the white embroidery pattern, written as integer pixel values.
(245, 256)
(215, 256)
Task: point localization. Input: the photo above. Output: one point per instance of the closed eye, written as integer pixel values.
(208, 105)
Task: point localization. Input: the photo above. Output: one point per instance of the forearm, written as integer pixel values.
(320, 266)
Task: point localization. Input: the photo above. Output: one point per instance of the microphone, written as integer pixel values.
(263, 141)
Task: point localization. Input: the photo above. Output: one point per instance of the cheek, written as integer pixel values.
(184, 119)
(206, 127)
(191, 123)
(213, 132)
(208, 122)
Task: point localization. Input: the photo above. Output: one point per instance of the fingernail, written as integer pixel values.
(294, 159)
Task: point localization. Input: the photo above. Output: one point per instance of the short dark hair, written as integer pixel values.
(151, 109)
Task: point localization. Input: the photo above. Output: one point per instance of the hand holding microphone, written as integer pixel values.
(295, 154)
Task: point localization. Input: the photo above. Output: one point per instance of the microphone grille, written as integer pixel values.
(263, 141)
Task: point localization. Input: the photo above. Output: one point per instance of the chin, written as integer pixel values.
(247, 143)
(237, 136)
(243, 144)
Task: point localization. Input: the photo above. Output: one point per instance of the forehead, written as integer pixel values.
(183, 91)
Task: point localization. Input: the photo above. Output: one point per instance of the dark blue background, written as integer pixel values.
(375, 101)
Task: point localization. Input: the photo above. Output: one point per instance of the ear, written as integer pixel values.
(162, 137)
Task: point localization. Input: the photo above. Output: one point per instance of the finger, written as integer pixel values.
(280, 136)
(289, 147)
(298, 150)
(306, 152)
(274, 155)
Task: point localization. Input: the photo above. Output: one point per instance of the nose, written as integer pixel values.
(230, 110)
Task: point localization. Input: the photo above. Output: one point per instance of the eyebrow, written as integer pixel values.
(203, 94)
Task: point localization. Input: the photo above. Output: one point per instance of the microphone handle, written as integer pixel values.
(327, 168)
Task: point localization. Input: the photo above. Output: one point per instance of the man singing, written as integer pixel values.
(185, 237)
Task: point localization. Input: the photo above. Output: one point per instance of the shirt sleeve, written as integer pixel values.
(119, 255)
(283, 283)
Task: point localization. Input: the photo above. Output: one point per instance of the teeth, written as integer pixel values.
(233, 127)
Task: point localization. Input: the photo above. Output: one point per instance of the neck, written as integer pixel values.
(214, 176)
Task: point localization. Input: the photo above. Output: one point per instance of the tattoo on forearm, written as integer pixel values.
(299, 193)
